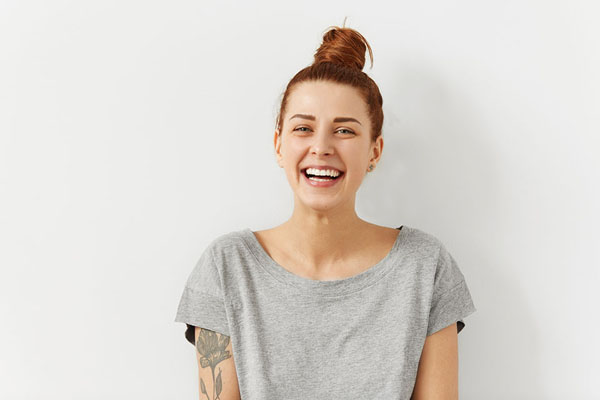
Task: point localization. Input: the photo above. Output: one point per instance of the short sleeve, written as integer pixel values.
(451, 300)
(202, 303)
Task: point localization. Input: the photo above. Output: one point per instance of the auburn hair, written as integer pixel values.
(341, 58)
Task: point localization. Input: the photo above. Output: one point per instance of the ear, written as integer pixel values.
(277, 145)
(376, 149)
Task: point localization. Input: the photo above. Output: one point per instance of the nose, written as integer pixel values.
(322, 143)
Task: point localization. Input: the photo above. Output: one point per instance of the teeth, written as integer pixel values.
(322, 172)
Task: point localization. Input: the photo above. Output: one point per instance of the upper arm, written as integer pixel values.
(216, 368)
(437, 376)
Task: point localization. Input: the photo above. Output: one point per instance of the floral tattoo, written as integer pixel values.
(211, 347)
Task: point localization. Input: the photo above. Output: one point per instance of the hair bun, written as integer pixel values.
(343, 46)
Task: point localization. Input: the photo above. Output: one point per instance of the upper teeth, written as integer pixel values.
(322, 172)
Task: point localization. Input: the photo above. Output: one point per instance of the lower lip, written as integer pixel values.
(322, 183)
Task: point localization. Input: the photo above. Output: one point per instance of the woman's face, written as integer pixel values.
(326, 124)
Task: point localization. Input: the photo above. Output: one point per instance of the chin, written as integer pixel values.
(321, 205)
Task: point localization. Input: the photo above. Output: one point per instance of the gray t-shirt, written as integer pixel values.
(297, 338)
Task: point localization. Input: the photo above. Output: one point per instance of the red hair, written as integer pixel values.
(341, 58)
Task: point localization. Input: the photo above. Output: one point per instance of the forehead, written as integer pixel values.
(327, 100)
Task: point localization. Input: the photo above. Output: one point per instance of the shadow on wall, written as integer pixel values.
(438, 169)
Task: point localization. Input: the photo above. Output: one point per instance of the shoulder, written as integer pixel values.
(226, 241)
(218, 260)
(231, 250)
(443, 269)
(423, 243)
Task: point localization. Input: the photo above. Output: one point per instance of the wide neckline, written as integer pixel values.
(325, 287)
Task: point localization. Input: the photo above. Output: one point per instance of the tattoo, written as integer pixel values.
(211, 347)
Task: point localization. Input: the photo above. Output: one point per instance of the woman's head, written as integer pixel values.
(340, 59)
(331, 115)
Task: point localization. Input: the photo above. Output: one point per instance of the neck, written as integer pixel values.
(321, 240)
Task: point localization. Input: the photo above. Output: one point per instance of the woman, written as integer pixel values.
(327, 305)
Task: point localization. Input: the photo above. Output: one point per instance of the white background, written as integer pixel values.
(134, 132)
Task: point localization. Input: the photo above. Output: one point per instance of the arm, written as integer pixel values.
(437, 375)
(217, 374)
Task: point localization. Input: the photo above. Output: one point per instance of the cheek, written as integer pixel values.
(293, 152)
(354, 156)
(295, 145)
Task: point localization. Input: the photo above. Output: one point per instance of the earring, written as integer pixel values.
(370, 167)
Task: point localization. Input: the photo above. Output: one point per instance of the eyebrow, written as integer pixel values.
(338, 119)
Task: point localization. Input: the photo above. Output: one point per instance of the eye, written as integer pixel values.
(348, 131)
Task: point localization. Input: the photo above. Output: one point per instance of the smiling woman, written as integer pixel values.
(329, 140)
(327, 305)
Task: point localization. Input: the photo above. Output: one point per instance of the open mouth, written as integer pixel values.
(322, 177)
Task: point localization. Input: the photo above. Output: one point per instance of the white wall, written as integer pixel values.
(134, 132)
